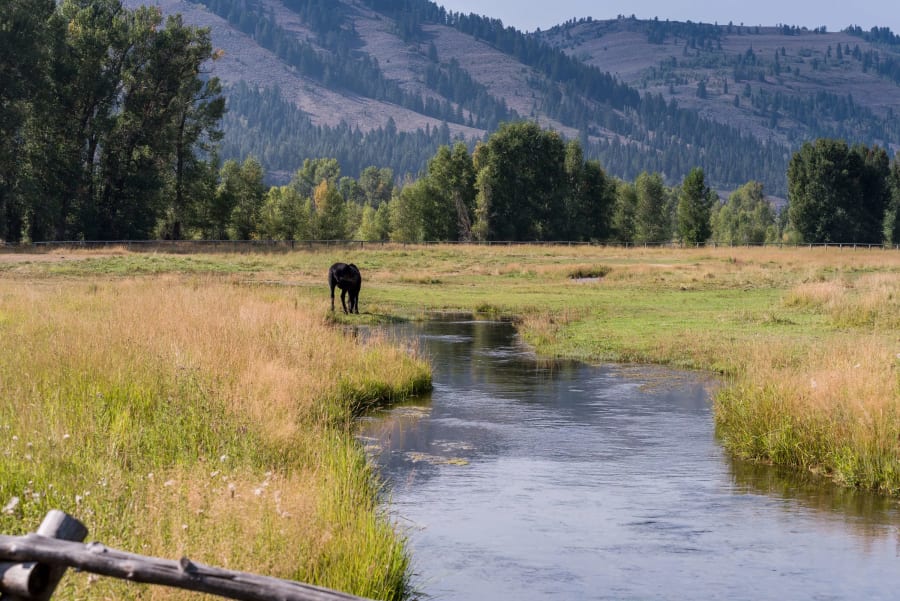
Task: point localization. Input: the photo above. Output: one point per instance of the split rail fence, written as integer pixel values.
(31, 567)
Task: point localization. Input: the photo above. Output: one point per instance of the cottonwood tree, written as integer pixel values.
(117, 122)
(746, 218)
(375, 225)
(285, 215)
(451, 177)
(314, 172)
(377, 185)
(521, 181)
(590, 200)
(197, 114)
(652, 216)
(623, 218)
(837, 193)
(330, 214)
(406, 213)
(23, 69)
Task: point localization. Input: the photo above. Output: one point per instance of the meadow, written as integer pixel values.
(192, 415)
(203, 404)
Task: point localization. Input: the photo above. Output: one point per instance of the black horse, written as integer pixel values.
(348, 279)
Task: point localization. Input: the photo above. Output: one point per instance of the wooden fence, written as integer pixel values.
(248, 246)
(32, 565)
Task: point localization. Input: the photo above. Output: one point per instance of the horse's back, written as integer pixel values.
(340, 273)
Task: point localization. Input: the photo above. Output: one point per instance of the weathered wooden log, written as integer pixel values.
(184, 574)
(32, 580)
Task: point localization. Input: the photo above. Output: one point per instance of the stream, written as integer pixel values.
(520, 479)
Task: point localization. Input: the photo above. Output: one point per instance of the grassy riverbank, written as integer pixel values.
(134, 374)
(192, 415)
(808, 340)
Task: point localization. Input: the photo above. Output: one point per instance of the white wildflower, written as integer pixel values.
(10, 507)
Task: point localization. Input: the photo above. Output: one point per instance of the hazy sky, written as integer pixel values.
(528, 16)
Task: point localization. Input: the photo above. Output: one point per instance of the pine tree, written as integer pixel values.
(694, 207)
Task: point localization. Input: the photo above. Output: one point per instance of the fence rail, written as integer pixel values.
(32, 565)
(238, 246)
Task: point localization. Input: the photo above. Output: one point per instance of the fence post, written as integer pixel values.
(34, 581)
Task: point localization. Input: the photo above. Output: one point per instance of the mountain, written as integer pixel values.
(385, 82)
(791, 84)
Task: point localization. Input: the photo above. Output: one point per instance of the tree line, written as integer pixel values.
(106, 117)
(525, 183)
(113, 132)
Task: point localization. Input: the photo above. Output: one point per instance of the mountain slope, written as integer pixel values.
(385, 81)
(672, 59)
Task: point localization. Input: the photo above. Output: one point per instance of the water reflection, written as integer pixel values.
(869, 516)
(520, 480)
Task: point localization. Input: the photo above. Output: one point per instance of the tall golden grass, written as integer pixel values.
(829, 404)
(188, 415)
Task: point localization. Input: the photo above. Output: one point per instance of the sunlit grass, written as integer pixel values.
(190, 415)
(806, 341)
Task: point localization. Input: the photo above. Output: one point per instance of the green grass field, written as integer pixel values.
(126, 377)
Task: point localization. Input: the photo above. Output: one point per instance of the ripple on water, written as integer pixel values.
(607, 483)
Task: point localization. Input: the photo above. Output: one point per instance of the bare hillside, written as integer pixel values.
(245, 60)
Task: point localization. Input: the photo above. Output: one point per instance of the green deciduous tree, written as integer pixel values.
(652, 216)
(285, 215)
(112, 141)
(838, 194)
(451, 177)
(406, 217)
(521, 183)
(623, 219)
(377, 185)
(330, 212)
(375, 225)
(589, 200)
(23, 71)
(746, 218)
(313, 172)
(197, 113)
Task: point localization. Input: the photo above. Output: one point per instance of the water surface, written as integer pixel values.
(519, 480)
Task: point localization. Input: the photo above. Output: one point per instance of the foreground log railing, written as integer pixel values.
(32, 565)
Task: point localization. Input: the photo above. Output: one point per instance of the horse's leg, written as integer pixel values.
(343, 295)
(332, 296)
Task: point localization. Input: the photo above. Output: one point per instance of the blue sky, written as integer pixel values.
(528, 16)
